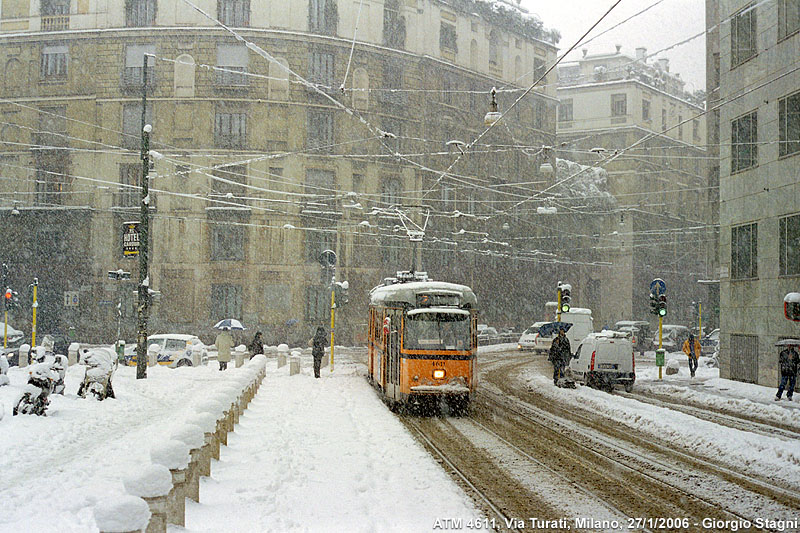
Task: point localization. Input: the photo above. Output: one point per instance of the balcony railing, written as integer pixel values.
(55, 22)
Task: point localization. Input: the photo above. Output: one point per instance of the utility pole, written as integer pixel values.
(5, 304)
(142, 309)
(35, 307)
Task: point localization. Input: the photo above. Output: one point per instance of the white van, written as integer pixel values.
(604, 359)
(582, 325)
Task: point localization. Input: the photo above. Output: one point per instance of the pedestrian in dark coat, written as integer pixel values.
(560, 354)
(318, 348)
(257, 345)
(790, 362)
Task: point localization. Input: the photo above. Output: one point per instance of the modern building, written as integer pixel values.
(634, 117)
(753, 61)
(280, 129)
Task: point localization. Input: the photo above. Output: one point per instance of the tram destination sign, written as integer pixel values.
(130, 239)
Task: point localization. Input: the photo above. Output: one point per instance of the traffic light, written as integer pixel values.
(565, 298)
(653, 304)
(662, 305)
(12, 299)
(341, 296)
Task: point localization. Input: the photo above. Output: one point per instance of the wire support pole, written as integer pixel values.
(143, 307)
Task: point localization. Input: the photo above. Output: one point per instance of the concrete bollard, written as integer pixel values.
(72, 353)
(192, 436)
(283, 352)
(294, 365)
(197, 358)
(24, 352)
(152, 483)
(152, 354)
(175, 456)
(239, 358)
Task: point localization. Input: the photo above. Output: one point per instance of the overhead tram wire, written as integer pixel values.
(503, 114)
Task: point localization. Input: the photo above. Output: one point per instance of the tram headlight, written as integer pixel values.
(438, 373)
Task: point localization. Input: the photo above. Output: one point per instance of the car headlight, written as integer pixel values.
(438, 373)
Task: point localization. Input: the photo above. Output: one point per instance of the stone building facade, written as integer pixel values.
(256, 171)
(634, 117)
(752, 58)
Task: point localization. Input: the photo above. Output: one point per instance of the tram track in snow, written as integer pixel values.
(593, 435)
(716, 416)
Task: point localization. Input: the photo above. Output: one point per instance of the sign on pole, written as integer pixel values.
(658, 287)
(71, 298)
(130, 239)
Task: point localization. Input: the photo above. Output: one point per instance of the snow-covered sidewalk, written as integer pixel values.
(323, 455)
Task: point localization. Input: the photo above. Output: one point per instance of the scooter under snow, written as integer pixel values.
(100, 365)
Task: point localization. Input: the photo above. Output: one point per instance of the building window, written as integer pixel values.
(235, 13)
(539, 68)
(320, 182)
(393, 79)
(278, 296)
(320, 71)
(663, 120)
(54, 63)
(789, 125)
(320, 130)
(227, 241)
(680, 127)
(318, 304)
(495, 58)
(390, 253)
(132, 125)
(744, 138)
(390, 195)
(229, 179)
(230, 129)
(226, 302)
(55, 15)
(134, 65)
(744, 251)
(233, 58)
(129, 193)
(358, 183)
(395, 128)
(539, 114)
(51, 182)
(743, 35)
(139, 13)
(317, 241)
(790, 246)
(619, 105)
(52, 127)
(646, 110)
(447, 37)
(788, 18)
(323, 16)
(565, 110)
(448, 197)
(394, 25)
(696, 130)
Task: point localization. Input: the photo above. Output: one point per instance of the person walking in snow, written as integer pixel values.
(691, 347)
(560, 354)
(224, 343)
(257, 345)
(790, 363)
(318, 348)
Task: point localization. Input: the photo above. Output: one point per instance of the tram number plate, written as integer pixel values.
(608, 366)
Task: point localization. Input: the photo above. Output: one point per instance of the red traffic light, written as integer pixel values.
(8, 294)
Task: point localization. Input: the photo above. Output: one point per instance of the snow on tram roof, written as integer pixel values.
(406, 292)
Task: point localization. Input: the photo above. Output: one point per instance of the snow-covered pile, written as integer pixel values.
(589, 184)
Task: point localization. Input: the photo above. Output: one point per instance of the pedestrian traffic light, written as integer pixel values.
(662, 305)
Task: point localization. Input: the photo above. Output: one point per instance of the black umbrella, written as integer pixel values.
(788, 342)
(545, 330)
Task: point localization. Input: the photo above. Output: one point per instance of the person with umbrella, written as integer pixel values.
(789, 362)
(318, 348)
(560, 354)
(224, 343)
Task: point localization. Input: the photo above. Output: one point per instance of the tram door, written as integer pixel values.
(393, 351)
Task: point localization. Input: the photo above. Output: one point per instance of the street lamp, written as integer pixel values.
(119, 275)
(493, 115)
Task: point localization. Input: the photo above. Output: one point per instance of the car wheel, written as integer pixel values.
(628, 386)
(184, 362)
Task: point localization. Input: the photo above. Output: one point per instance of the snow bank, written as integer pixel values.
(121, 514)
(173, 454)
(189, 434)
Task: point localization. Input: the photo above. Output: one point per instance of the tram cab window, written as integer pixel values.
(433, 331)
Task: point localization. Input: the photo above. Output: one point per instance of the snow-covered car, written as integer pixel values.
(527, 341)
(640, 333)
(173, 350)
(672, 337)
(710, 343)
(486, 334)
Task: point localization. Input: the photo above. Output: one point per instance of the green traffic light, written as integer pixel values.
(662, 311)
(565, 308)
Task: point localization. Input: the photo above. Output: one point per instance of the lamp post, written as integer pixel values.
(119, 275)
(143, 305)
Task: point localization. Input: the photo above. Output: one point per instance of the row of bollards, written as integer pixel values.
(156, 495)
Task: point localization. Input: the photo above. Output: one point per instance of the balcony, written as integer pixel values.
(55, 22)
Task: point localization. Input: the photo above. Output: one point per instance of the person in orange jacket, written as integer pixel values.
(691, 347)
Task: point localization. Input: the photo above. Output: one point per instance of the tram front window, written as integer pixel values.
(432, 331)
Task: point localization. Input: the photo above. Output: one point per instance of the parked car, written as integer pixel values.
(13, 341)
(640, 333)
(486, 334)
(672, 337)
(173, 349)
(528, 340)
(710, 343)
(603, 360)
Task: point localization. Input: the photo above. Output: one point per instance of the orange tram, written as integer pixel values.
(423, 342)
